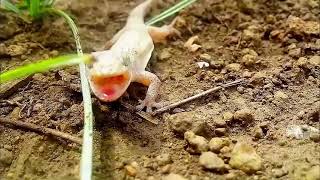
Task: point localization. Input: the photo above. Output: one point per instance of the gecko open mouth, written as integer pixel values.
(110, 88)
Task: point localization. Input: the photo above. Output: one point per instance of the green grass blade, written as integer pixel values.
(34, 8)
(87, 146)
(43, 66)
(5, 4)
(174, 9)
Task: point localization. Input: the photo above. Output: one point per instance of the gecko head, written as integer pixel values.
(109, 76)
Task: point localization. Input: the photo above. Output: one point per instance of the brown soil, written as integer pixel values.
(281, 66)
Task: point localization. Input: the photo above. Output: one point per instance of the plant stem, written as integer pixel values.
(86, 156)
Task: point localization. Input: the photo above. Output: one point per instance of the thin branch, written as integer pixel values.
(166, 108)
(44, 130)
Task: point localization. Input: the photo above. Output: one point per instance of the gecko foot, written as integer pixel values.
(149, 105)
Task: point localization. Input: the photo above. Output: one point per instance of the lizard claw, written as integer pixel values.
(149, 105)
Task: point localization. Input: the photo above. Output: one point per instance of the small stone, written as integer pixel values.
(216, 144)
(295, 52)
(7, 147)
(188, 121)
(205, 57)
(245, 158)
(54, 53)
(247, 74)
(244, 115)
(279, 172)
(164, 55)
(130, 170)
(280, 96)
(211, 161)
(315, 60)
(257, 132)
(227, 116)
(302, 62)
(163, 159)
(217, 64)
(313, 173)
(173, 176)
(219, 122)
(258, 78)
(166, 169)
(299, 26)
(220, 131)
(6, 157)
(16, 50)
(3, 49)
(198, 143)
(233, 67)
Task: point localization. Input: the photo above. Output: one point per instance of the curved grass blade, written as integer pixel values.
(34, 8)
(87, 146)
(5, 4)
(174, 9)
(43, 66)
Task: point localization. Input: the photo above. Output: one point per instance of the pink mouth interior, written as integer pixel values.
(110, 87)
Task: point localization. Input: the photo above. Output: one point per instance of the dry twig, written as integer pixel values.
(44, 130)
(161, 110)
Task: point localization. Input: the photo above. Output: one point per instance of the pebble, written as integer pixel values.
(315, 136)
(166, 169)
(217, 64)
(298, 26)
(302, 62)
(130, 170)
(280, 96)
(220, 131)
(163, 159)
(315, 60)
(295, 52)
(257, 132)
(6, 157)
(245, 158)
(187, 121)
(205, 57)
(211, 161)
(227, 116)
(16, 50)
(173, 176)
(233, 67)
(279, 172)
(219, 122)
(244, 115)
(216, 144)
(198, 143)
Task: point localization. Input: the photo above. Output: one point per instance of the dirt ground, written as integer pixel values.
(266, 128)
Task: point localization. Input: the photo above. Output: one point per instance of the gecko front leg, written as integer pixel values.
(153, 82)
(160, 34)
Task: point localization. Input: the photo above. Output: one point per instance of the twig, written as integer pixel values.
(44, 130)
(161, 110)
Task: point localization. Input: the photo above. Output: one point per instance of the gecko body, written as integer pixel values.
(131, 48)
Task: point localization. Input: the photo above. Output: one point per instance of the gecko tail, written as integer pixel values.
(137, 15)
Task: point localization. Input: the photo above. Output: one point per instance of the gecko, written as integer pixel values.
(127, 57)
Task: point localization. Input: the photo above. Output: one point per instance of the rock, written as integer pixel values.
(243, 115)
(6, 157)
(163, 159)
(279, 172)
(258, 78)
(131, 169)
(3, 49)
(198, 143)
(164, 55)
(295, 52)
(315, 136)
(248, 60)
(219, 122)
(305, 171)
(173, 176)
(16, 50)
(205, 57)
(299, 26)
(220, 131)
(233, 67)
(245, 158)
(227, 116)
(302, 62)
(257, 132)
(215, 144)
(217, 64)
(280, 96)
(211, 161)
(165, 169)
(315, 60)
(188, 121)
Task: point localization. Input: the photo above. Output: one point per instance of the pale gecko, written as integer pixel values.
(131, 48)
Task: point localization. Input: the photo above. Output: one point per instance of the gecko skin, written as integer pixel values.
(114, 69)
